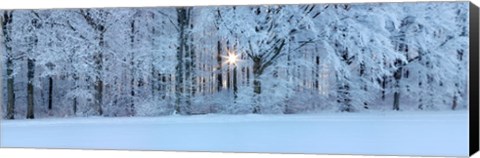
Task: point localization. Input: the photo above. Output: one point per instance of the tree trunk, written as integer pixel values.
(2, 46)
(420, 106)
(100, 29)
(243, 78)
(153, 82)
(75, 87)
(193, 66)
(396, 96)
(219, 54)
(188, 60)
(219, 67)
(99, 88)
(396, 101)
(132, 68)
(235, 88)
(132, 95)
(257, 85)
(5, 21)
(30, 93)
(384, 86)
(317, 74)
(248, 76)
(182, 52)
(10, 90)
(50, 93)
(344, 98)
(75, 106)
(99, 95)
(362, 72)
(132, 65)
(454, 104)
(229, 85)
(163, 85)
(257, 90)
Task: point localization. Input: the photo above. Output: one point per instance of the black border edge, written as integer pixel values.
(473, 79)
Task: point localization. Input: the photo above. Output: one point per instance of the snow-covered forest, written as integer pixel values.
(269, 59)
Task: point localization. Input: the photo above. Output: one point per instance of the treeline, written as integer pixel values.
(234, 59)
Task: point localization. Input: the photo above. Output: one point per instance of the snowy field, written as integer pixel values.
(383, 133)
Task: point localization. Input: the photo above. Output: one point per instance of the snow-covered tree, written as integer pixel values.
(7, 18)
(431, 38)
(357, 44)
(262, 33)
(234, 59)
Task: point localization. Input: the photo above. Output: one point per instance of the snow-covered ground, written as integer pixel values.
(384, 133)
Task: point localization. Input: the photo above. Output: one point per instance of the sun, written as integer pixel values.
(232, 58)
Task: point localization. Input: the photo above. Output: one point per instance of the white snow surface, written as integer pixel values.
(378, 133)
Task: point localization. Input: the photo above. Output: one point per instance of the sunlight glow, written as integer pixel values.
(232, 58)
